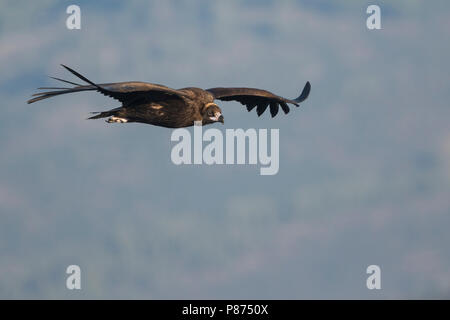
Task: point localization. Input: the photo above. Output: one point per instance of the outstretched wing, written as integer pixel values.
(261, 99)
(128, 93)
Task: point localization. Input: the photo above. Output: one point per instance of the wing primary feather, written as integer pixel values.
(52, 88)
(44, 95)
(305, 93)
(66, 81)
(39, 98)
(262, 106)
(285, 107)
(273, 109)
(251, 106)
(81, 77)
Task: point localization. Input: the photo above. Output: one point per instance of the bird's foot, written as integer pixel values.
(116, 120)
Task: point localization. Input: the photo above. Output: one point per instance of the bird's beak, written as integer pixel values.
(221, 119)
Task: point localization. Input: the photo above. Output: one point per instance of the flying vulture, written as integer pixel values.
(162, 106)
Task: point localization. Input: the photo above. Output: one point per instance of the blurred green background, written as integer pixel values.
(364, 163)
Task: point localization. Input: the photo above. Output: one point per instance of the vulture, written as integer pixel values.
(166, 107)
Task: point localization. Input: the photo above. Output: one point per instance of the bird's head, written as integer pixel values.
(212, 113)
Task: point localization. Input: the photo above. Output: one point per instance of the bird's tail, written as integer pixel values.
(99, 115)
(77, 88)
(104, 114)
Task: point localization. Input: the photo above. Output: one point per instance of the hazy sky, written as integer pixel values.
(364, 163)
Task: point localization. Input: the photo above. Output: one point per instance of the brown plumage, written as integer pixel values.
(162, 106)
